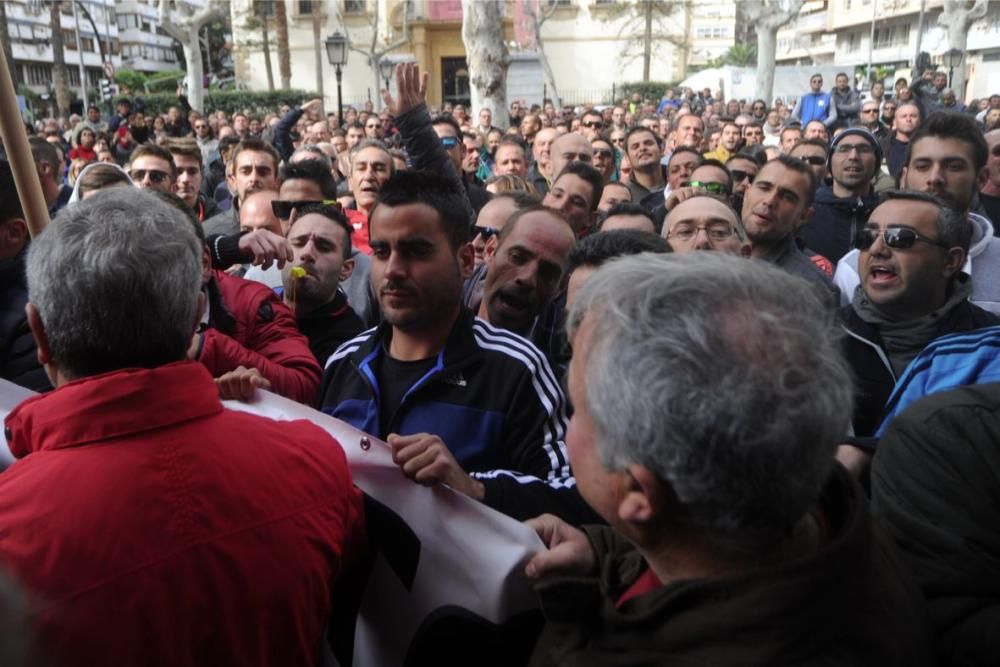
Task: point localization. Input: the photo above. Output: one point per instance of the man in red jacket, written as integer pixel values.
(151, 525)
(248, 338)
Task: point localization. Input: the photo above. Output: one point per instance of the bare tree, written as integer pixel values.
(60, 74)
(768, 16)
(284, 58)
(183, 24)
(487, 56)
(958, 16)
(654, 21)
(539, 11)
(378, 48)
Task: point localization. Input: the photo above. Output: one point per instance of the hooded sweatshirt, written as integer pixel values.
(983, 264)
(835, 221)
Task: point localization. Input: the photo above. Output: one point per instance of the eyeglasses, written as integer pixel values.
(592, 124)
(714, 188)
(815, 160)
(619, 140)
(485, 232)
(862, 149)
(282, 208)
(714, 232)
(155, 175)
(740, 175)
(897, 238)
(603, 152)
(449, 142)
(869, 111)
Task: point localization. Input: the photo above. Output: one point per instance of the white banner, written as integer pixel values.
(459, 558)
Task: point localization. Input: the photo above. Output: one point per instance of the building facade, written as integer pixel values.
(591, 45)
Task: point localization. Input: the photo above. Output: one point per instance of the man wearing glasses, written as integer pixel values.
(152, 168)
(591, 124)
(815, 105)
(870, 121)
(705, 221)
(842, 208)
(912, 291)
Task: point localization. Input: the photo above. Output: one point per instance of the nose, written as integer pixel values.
(308, 252)
(701, 241)
(879, 248)
(395, 267)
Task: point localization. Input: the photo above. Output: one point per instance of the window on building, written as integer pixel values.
(854, 43)
(39, 75)
(263, 8)
(892, 36)
(69, 40)
(146, 26)
(74, 76)
(116, 46)
(306, 7)
(87, 44)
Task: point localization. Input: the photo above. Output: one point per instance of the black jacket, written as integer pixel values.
(874, 377)
(328, 327)
(835, 221)
(18, 353)
(936, 488)
(492, 399)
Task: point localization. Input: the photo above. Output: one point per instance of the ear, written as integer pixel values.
(954, 260)
(491, 249)
(807, 214)
(346, 269)
(644, 497)
(44, 351)
(16, 233)
(984, 176)
(466, 259)
(901, 181)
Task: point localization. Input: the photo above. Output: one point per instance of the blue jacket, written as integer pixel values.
(492, 399)
(816, 106)
(947, 363)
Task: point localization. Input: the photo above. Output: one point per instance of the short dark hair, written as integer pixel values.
(311, 170)
(685, 149)
(43, 151)
(143, 150)
(953, 226)
(596, 249)
(437, 192)
(588, 173)
(448, 119)
(332, 213)
(626, 208)
(799, 167)
(712, 162)
(257, 146)
(815, 142)
(953, 125)
(521, 198)
(636, 130)
(514, 140)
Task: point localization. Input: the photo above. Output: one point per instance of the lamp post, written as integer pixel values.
(952, 58)
(336, 53)
(385, 67)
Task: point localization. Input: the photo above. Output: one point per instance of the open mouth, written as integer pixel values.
(881, 275)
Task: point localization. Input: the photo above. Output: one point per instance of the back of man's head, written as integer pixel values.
(434, 191)
(116, 281)
(701, 367)
(596, 249)
(310, 170)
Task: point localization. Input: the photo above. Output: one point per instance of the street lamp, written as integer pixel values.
(385, 67)
(952, 58)
(336, 53)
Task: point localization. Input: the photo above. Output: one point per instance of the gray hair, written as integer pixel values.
(116, 280)
(724, 377)
(954, 228)
(373, 143)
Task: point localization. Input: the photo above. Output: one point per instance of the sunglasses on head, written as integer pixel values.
(739, 175)
(485, 232)
(714, 188)
(155, 175)
(898, 238)
(282, 208)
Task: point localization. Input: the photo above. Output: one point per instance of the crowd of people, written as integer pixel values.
(727, 454)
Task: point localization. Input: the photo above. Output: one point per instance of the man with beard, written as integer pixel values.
(320, 237)
(254, 168)
(839, 210)
(643, 149)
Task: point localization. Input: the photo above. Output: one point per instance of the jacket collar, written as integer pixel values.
(112, 405)
(458, 348)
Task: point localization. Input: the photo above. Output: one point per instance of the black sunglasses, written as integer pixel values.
(282, 208)
(738, 175)
(592, 124)
(155, 175)
(898, 238)
(485, 232)
(813, 159)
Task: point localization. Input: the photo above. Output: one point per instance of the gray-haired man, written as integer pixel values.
(709, 396)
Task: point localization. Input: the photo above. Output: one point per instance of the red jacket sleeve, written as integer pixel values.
(265, 338)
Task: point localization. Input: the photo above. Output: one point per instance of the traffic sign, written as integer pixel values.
(109, 70)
